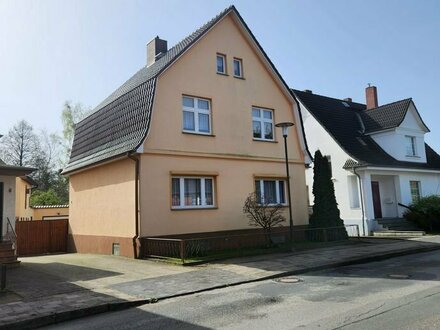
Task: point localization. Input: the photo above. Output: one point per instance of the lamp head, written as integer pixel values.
(285, 126)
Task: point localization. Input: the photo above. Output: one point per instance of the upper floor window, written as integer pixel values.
(270, 191)
(411, 149)
(238, 68)
(415, 190)
(192, 192)
(221, 63)
(196, 115)
(262, 123)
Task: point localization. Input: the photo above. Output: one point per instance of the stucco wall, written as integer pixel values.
(22, 208)
(8, 200)
(40, 213)
(394, 143)
(234, 181)
(318, 138)
(102, 200)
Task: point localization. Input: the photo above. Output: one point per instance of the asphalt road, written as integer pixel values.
(399, 293)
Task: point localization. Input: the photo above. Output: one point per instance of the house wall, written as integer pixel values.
(102, 208)
(393, 141)
(8, 201)
(234, 181)
(230, 151)
(22, 208)
(48, 212)
(318, 138)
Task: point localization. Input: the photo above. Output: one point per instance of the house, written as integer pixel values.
(179, 146)
(379, 159)
(23, 209)
(8, 174)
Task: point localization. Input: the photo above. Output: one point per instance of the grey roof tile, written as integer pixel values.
(386, 116)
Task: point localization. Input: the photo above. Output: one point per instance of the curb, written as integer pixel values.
(118, 306)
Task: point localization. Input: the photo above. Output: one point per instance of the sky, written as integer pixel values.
(82, 50)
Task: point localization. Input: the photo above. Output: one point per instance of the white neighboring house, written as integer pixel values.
(378, 155)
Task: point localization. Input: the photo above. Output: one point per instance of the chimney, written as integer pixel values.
(156, 48)
(348, 99)
(371, 96)
(308, 91)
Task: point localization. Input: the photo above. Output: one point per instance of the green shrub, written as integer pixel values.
(425, 213)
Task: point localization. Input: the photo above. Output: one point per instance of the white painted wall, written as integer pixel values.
(318, 138)
(394, 142)
(8, 200)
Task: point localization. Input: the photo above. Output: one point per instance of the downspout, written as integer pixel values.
(362, 199)
(136, 193)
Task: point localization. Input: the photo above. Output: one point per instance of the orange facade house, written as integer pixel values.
(179, 146)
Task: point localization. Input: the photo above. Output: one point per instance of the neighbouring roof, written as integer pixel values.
(12, 170)
(348, 122)
(119, 124)
(29, 180)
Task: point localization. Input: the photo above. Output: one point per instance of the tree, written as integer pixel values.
(262, 214)
(71, 115)
(48, 197)
(20, 146)
(325, 208)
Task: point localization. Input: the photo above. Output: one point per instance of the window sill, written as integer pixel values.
(194, 208)
(411, 156)
(195, 133)
(261, 140)
(222, 74)
(239, 77)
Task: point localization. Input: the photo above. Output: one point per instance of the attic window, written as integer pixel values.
(345, 104)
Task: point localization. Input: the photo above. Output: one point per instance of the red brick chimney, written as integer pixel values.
(371, 96)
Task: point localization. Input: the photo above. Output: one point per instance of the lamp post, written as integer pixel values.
(285, 127)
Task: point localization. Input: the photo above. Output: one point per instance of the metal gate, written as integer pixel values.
(41, 237)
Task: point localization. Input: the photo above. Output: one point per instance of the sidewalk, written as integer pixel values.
(49, 289)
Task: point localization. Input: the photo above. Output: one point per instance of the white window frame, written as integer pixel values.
(240, 65)
(277, 190)
(196, 110)
(411, 142)
(223, 57)
(262, 121)
(202, 192)
(419, 190)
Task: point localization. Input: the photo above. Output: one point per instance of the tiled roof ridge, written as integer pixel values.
(50, 206)
(389, 104)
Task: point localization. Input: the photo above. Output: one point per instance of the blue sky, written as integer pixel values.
(52, 51)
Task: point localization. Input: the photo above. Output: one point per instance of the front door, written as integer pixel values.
(376, 199)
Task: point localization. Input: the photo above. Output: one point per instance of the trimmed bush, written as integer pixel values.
(425, 213)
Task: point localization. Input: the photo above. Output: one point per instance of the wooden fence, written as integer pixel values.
(41, 237)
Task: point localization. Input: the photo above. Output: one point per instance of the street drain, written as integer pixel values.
(288, 279)
(399, 276)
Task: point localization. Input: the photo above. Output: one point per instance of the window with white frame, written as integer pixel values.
(196, 115)
(270, 191)
(238, 68)
(192, 192)
(262, 124)
(415, 190)
(353, 192)
(411, 149)
(221, 63)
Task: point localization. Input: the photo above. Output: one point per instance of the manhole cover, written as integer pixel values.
(399, 276)
(288, 279)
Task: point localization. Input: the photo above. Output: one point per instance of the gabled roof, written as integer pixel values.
(12, 170)
(346, 124)
(120, 123)
(387, 116)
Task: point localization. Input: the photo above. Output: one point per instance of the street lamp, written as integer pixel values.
(285, 127)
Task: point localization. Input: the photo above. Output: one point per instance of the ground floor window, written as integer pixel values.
(415, 190)
(271, 191)
(192, 192)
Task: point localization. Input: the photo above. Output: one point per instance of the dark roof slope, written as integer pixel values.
(346, 124)
(119, 124)
(386, 116)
